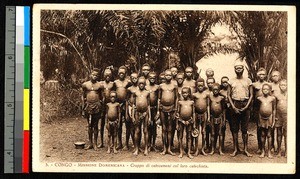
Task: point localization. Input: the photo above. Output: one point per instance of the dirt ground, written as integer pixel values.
(57, 145)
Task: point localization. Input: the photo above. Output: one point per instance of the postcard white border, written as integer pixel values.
(131, 167)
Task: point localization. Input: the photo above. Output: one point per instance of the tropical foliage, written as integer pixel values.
(262, 39)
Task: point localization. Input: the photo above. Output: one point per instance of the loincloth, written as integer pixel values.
(281, 120)
(92, 108)
(217, 120)
(201, 118)
(170, 108)
(113, 123)
(265, 122)
(140, 116)
(190, 121)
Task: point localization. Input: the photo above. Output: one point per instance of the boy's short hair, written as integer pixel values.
(267, 84)
(112, 93)
(96, 70)
(146, 64)
(275, 71)
(122, 67)
(186, 87)
(261, 69)
(152, 73)
(189, 68)
(216, 85)
(223, 77)
(283, 81)
(142, 78)
(167, 70)
(210, 79)
(200, 80)
(134, 73)
(180, 73)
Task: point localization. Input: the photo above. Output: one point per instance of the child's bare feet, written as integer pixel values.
(278, 154)
(100, 145)
(95, 147)
(126, 147)
(190, 156)
(262, 155)
(120, 147)
(136, 152)
(115, 151)
(154, 148)
(196, 153)
(88, 147)
(212, 152)
(146, 152)
(108, 151)
(234, 153)
(221, 152)
(247, 153)
(285, 154)
(270, 155)
(180, 155)
(163, 152)
(203, 152)
(258, 151)
(170, 152)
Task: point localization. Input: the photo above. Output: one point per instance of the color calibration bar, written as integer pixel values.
(26, 97)
(22, 75)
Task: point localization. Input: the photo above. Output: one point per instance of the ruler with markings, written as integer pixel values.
(17, 89)
(9, 99)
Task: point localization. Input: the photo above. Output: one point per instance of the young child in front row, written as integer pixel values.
(113, 116)
(185, 119)
(217, 115)
(267, 111)
(201, 109)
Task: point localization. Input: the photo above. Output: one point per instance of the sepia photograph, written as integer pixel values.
(164, 88)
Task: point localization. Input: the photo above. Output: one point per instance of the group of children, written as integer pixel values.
(177, 102)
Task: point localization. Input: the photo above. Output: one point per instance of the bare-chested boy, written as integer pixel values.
(189, 81)
(209, 81)
(267, 110)
(275, 78)
(107, 85)
(167, 98)
(153, 90)
(113, 116)
(257, 90)
(201, 98)
(185, 119)
(174, 72)
(145, 72)
(142, 115)
(224, 93)
(129, 106)
(281, 114)
(91, 99)
(121, 85)
(217, 117)
(179, 80)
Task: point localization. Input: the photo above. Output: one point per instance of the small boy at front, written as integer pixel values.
(217, 114)
(185, 119)
(142, 115)
(267, 111)
(201, 109)
(113, 116)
